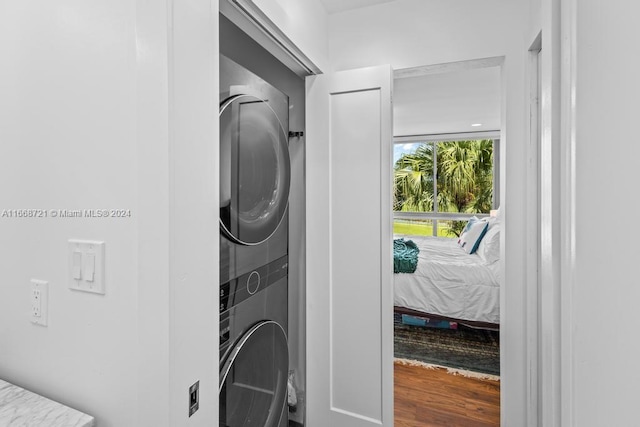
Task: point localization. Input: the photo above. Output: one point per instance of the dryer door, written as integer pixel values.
(253, 379)
(254, 169)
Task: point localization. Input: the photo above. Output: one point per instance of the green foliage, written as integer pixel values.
(464, 178)
(456, 228)
(413, 189)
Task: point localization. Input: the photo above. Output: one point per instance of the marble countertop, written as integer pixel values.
(22, 408)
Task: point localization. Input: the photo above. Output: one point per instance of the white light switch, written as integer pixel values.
(89, 266)
(86, 266)
(39, 296)
(76, 266)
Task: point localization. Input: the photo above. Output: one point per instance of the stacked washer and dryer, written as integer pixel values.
(254, 192)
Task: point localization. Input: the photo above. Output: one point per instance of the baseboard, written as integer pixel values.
(453, 371)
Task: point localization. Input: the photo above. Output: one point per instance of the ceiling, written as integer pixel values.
(337, 6)
(448, 102)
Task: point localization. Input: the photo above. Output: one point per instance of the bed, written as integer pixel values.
(450, 284)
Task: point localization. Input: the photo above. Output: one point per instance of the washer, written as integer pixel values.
(254, 353)
(254, 191)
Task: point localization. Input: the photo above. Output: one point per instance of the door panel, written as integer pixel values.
(349, 241)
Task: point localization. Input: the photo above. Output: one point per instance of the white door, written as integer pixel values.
(349, 249)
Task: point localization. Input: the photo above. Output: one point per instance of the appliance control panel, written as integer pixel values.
(239, 289)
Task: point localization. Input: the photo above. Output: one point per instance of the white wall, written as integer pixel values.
(409, 33)
(109, 104)
(606, 375)
(535, 19)
(68, 140)
(153, 214)
(447, 101)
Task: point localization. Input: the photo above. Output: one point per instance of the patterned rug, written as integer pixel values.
(476, 350)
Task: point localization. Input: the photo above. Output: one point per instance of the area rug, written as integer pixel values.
(475, 350)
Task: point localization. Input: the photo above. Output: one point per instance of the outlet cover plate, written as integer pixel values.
(39, 302)
(194, 398)
(79, 252)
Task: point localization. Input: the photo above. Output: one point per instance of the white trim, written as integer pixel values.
(568, 24)
(449, 67)
(557, 221)
(445, 216)
(281, 46)
(557, 206)
(533, 236)
(549, 221)
(193, 196)
(445, 137)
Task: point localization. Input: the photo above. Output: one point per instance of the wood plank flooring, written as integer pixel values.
(433, 397)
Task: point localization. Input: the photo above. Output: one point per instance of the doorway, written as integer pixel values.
(446, 181)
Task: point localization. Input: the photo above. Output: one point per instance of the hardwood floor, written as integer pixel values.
(433, 397)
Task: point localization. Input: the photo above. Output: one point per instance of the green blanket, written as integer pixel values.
(405, 256)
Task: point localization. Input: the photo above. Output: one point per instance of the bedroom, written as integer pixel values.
(446, 294)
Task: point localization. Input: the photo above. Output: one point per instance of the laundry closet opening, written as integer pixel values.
(446, 230)
(262, 121)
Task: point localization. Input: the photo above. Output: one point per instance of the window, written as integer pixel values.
(440, 183)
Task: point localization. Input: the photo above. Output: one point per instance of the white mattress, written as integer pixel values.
(449, 282)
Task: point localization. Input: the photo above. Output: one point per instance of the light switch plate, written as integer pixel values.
(89, 266)
(39, 302)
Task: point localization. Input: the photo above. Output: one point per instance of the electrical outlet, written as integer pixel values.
(36, 305)
(194, 398)
(39, 298)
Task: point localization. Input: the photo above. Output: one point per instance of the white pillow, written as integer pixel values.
(472, 235)
(466, 228)
(489, 248)
(469, 224)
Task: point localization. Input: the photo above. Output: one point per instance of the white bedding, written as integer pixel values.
(450, 282)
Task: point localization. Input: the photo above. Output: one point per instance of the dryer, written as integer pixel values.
(254, 192)
(255, 171)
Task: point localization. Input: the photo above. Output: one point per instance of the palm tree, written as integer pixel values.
(464, 178)
(465, 174)
(414, 181)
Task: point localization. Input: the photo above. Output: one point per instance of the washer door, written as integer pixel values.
(254, 170)
(253, 378)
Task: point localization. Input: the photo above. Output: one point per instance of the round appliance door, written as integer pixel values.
(254, 170)
(253, 378)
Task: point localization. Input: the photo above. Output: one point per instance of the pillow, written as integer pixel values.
(475, 231)
(489, 248)
(466, 228)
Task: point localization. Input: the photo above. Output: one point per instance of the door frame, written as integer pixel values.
(562, 17)
(533, 230)
(558, 210)
(532, 385)
(525, 382)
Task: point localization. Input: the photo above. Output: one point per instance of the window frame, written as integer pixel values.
(433, 139)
